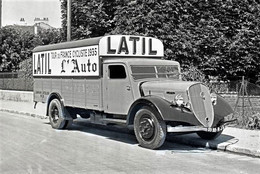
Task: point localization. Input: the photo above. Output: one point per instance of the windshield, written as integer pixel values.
(155, 71)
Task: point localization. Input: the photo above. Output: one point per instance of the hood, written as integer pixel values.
(167, 89)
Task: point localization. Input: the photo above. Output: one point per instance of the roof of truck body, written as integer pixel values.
(140, 61)
(66, 45)
(111, 45)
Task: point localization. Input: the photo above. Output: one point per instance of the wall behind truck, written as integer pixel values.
(77, 92)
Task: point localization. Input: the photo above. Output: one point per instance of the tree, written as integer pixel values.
(16, 46)
(219, 37)
(50, 36)
(230, 43)
(89, 18)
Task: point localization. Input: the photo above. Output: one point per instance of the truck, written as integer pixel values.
(124, 80)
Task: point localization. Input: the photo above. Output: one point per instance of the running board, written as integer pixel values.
(114, 121)
(192, 129)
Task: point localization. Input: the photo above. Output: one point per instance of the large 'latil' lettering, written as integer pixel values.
(42, 63)
(123, 46)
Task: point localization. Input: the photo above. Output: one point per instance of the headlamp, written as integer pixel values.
(213, 97)
(179, 100)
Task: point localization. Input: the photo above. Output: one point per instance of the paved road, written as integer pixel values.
(30, 145)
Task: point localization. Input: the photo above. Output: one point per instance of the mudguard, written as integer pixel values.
(66, 114)
(167, 110)
(171, 112)
(221, 109)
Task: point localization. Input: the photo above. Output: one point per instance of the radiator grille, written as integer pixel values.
(201, 104)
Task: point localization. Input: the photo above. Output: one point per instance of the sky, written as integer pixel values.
(14, 10)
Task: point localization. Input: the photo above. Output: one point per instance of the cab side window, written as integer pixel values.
(117, 72)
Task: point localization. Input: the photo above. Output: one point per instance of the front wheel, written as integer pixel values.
(149, 128)
(56, 115)
(209, 135)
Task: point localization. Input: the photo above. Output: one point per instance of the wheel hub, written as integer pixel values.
(55, 114)
(146, 128)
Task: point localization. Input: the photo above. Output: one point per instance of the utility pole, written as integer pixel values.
(0, 13)
(68, 20)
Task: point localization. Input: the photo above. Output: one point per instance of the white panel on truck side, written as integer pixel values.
(81, 61)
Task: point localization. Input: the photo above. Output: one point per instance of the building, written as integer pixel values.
(39, 25)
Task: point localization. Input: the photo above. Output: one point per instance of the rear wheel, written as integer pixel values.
(209, 135)
(56, 115)
(149, 128)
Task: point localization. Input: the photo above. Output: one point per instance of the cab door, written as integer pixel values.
(118, 95)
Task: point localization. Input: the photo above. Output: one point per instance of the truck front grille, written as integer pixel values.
(201, 104)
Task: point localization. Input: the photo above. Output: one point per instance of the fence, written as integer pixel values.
(244, 97)
(233, 87)
(15, 81)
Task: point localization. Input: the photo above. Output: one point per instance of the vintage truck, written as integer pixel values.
(123, 79)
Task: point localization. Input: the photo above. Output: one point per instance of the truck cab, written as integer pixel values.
(121, 79)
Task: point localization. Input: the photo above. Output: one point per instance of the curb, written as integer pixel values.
(24, 113)
(227, 146)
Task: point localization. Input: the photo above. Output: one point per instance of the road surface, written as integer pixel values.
(30, 145)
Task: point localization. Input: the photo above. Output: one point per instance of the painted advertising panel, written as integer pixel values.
(81, 61)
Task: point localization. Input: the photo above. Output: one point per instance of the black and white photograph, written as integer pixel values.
(129, 86)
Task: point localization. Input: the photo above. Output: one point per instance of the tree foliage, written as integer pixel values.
(89, 18)
(219, 37)
(16, 46)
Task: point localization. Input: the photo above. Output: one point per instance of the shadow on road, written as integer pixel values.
(196, 141)
(111, 132)
(189, 143)
(116, 133)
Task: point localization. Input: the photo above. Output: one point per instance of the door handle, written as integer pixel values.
(128, 88)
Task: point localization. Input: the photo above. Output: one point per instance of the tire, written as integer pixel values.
(56, 115)
(209, 135)
(149, 128)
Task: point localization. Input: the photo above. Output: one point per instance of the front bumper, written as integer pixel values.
(179, 129)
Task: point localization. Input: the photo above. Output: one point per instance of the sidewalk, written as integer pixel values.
(235, 140)
(25, 108)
